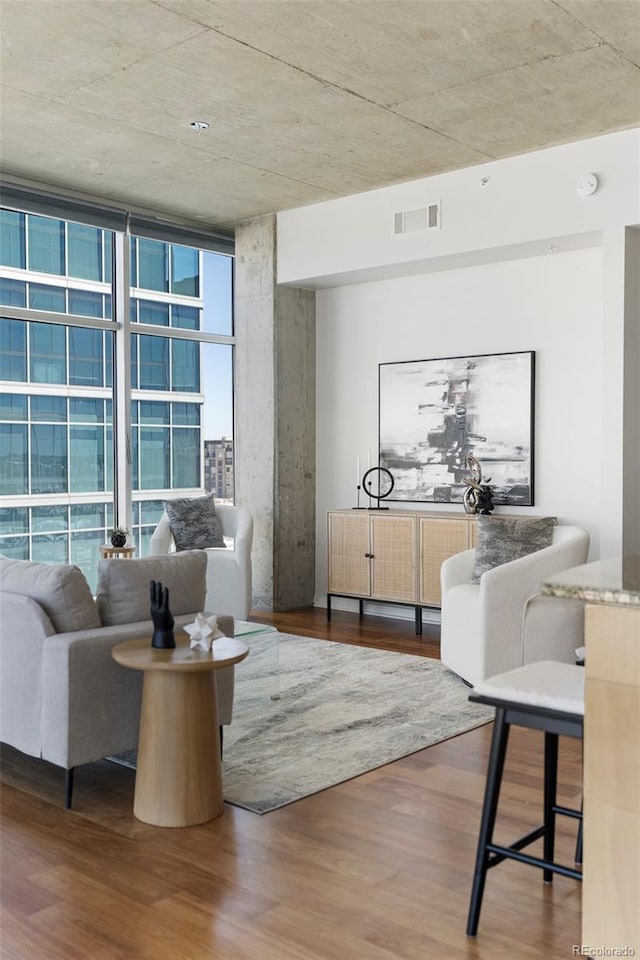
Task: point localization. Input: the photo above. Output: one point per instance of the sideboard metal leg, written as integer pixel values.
(328, 606)
(361, 605)
(419, 621)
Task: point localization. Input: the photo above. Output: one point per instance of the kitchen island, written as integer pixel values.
(611, 867)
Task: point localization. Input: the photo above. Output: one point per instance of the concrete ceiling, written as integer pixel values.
(307, 100)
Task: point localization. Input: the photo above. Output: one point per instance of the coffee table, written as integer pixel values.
(178, 774)
(246, 629)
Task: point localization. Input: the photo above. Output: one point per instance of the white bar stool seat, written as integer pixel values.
(545, 684)
(545, 696)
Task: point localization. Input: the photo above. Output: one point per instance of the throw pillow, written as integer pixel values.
(194, 523)
(502, 539)
(60, 588)
(123, 586)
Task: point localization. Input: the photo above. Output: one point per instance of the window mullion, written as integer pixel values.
(60, 319)
(123, 511)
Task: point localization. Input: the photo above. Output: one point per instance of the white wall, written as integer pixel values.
(550, 304)
(527, 200)
(520, 263)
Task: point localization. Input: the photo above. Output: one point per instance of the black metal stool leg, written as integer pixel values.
(68, 783)
(550, 791)
(487, 823)
(578, 853)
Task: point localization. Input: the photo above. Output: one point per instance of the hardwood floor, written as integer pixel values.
(378, 868)
(384, 633)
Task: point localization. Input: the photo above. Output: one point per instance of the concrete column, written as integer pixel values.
(611, 465)
(275, 420)
(631, 437)
(620, 465)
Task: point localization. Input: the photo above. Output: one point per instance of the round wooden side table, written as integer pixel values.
(108, 553)
(178, 775)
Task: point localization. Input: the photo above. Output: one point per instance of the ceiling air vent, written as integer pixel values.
(422, 218)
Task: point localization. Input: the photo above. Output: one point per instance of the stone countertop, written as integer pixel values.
(615, 580)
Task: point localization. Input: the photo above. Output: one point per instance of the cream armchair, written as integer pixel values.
(502, 622)
(228, 568)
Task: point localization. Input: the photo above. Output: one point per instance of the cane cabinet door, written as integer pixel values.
(473, 534)
(348, 552)
(393, 557)
(439, 538)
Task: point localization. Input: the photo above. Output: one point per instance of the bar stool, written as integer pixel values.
(545, 696)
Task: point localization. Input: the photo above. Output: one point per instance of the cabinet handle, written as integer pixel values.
(369, 555)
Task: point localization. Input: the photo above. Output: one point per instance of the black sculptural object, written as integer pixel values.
(162, 617)
(485, 499)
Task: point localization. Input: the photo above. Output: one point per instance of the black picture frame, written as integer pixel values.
(432, 413)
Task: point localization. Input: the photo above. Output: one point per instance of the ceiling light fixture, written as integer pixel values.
(199, 125)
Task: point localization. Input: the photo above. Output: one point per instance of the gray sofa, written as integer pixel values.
(62, 696)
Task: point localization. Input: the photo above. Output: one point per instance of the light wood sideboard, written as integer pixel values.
(393, 556)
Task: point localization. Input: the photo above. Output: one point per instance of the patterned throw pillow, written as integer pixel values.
(194, 523)
(502, 539)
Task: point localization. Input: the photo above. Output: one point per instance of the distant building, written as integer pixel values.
(218, 467)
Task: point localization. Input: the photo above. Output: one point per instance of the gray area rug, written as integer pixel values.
(343, 710)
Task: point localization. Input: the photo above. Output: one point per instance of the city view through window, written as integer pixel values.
(60, 401)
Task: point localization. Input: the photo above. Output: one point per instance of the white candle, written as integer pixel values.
(357, 471)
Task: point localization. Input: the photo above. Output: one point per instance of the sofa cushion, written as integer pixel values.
(194, 523)
(502, 539)
(123, 585)
(60, 588)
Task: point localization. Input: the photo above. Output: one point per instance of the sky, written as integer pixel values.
(217, 358)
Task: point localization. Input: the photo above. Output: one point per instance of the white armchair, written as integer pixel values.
(228, 568)
(503, 622)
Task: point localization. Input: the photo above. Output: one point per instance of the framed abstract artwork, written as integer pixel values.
(433, 413)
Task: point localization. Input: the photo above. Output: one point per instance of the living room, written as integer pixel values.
(523, 259)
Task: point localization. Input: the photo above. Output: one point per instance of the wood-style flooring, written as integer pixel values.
(378, 868)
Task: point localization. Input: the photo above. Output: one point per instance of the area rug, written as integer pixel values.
(344, 710)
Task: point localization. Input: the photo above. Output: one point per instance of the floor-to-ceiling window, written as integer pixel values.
(62, 405)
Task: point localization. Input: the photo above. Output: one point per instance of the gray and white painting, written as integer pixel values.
(433, 413)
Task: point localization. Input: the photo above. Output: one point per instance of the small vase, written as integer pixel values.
(118, 540)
